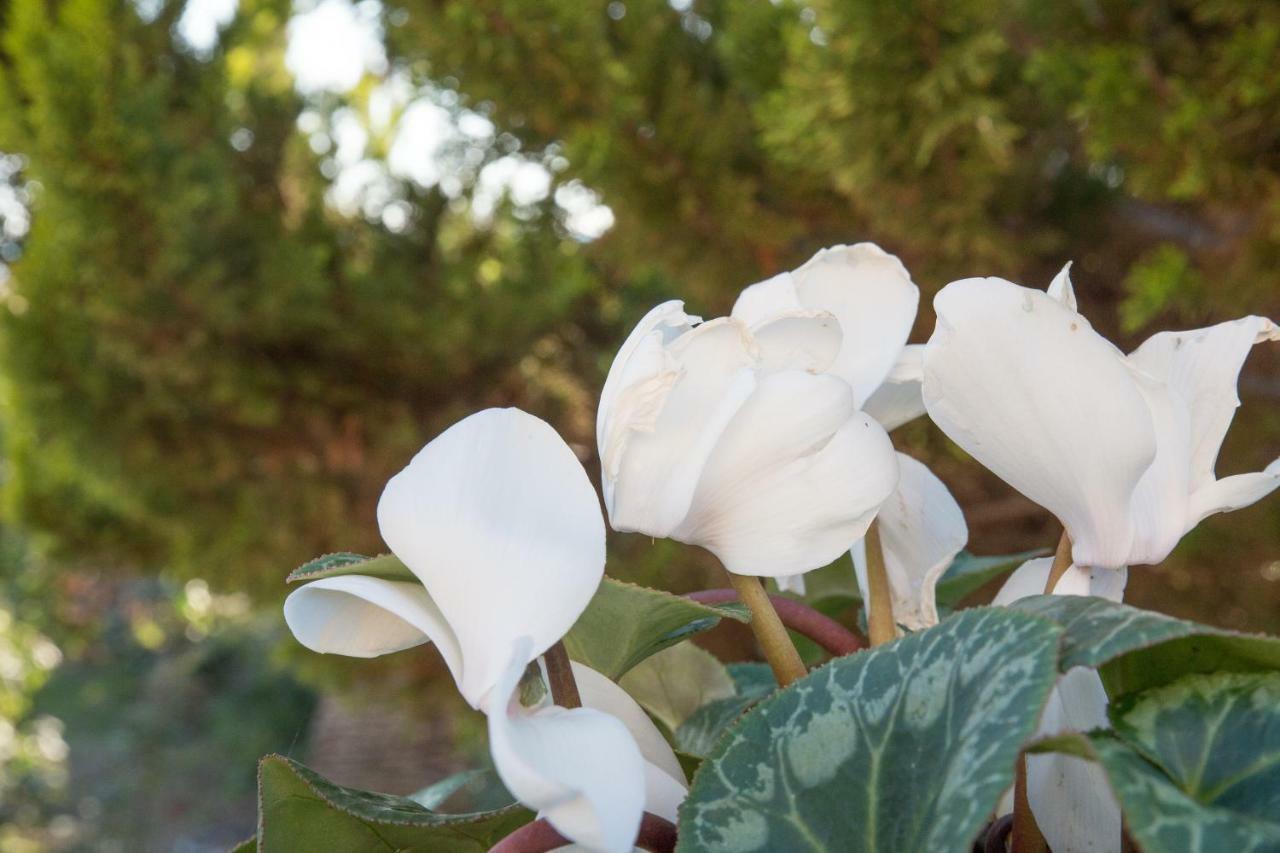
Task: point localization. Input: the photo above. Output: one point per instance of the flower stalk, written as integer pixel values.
(1061, 562)
(770, 633)
(880, 624)
(1027, 837)
(564, 688)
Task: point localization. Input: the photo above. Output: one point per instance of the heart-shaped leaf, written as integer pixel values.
(906, 747)
(1134, 649)
(301, 810)
(626, 623)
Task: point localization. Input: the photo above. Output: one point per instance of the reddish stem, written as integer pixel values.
(657, 835)
(801, 618)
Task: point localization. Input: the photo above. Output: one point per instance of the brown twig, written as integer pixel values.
(564, 687)
(835, 639)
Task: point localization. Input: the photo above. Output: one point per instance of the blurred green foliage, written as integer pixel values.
(211, 369)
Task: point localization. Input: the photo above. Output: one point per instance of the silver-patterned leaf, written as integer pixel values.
(1136, 649)
(907, 747)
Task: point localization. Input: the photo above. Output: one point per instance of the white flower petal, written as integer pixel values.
(657, 474)
(598, 692)
(921, 530)
(1203, 366)
(791, 583)
(799, 340)
(499, 521)
(662, 793)
(363, 617)
(1235, 492)
(1071, 797)
(761, 302)
(1159, 503)
(1026, 386)
(1109, 583)
(1029, 579)
(1060, 288)
(795, 478)
(579, 768)
(661, 325)
(872, 295)
(900, 398)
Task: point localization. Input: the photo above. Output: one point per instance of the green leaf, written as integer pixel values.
(704, 727)
(249, 845)
(1216, 736)
(625, 623)
(907, 747)
(1136, 649)
(469, 791)
(676, 682)
(387, 566)
(300, 810)
(1163, 818)
(968, 572)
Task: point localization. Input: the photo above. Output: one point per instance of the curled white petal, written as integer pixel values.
(798, 340)
(1023, 383)
(872, 295)
(655, 479)
(796, 477)
(1202, 367)
(1061, 289)
(579, 768)
(499, 521)
(921, 530)
(598, 692)
(363, 617)
(900, 397)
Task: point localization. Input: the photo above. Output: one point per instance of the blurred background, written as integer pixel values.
(255, 254)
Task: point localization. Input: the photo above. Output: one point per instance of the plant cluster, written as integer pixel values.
(1057, 718)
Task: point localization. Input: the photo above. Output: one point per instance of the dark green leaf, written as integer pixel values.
(968, 572)
(704, 727)
(1163, 818)
(1136, 649)
(1216, 736)
(300, 810)
(907, 747)
(387, 566)
(625, 623)
(249, 845)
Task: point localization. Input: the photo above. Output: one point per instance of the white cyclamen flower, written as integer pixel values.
(735, 439)
(1070, 797)
(872, 297)
(499, 522)
(1120, 448)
